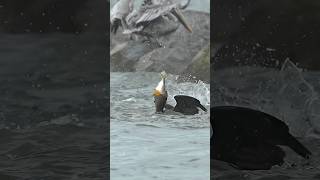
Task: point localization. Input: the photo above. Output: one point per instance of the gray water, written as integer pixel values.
(146, 145)
(53, 111)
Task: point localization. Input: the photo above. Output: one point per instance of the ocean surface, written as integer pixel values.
(146, 145)
(53, 108)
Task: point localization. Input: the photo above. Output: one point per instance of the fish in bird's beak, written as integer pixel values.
(160, 93)
(177, 13)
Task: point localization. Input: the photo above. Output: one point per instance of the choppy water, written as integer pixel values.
(52, 108)
(145, 145)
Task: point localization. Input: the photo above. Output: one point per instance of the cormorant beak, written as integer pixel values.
(177, 13)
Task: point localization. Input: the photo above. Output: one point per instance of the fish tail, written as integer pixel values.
(163, 75)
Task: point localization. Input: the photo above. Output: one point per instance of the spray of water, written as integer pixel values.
(285, 94)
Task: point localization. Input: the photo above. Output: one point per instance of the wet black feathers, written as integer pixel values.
(249, 138)
(187, 105)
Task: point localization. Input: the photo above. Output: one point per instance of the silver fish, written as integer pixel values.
(160, 93)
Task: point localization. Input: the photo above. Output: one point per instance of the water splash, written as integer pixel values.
(132, 101)
(285, 94)
(139, 137)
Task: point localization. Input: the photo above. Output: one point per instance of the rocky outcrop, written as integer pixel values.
(179, 55)
(199, 67)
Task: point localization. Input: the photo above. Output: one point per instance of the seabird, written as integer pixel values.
(118, 14)
(156, 18)
(250, 139)
(185, 104)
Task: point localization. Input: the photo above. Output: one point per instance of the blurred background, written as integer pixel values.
(53, 77)
(265, 55)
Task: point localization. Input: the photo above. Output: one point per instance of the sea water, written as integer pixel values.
(146, 145)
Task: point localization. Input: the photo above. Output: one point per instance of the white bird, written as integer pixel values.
(118, 14)
(156, 18)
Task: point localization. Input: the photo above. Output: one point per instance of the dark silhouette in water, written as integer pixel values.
(250, 139)
(185, 104)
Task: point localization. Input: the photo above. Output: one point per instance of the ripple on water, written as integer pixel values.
(157, 146)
